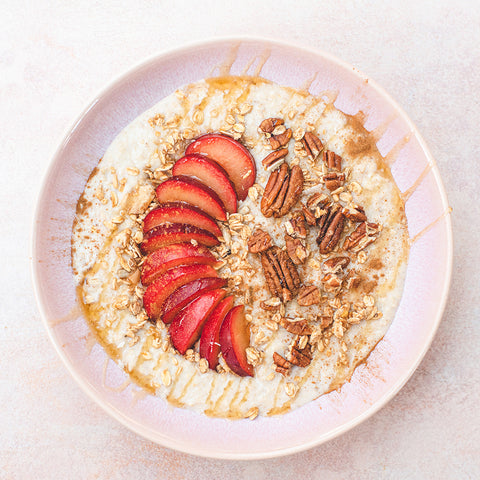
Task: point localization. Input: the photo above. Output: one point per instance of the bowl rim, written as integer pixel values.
(133, 425)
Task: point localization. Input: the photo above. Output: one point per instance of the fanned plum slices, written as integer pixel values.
(192, 191)
(179, 212)
(187, 325)
(231, 155)
(210, 339)
(186, 293)
(174, 255)
(234, 340)
(158, 291)
(169, 233)
(211, 174)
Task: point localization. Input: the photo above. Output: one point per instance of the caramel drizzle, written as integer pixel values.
(408, 193)
(378, 132)
(74, 313)
(308, 83)
(430, 226)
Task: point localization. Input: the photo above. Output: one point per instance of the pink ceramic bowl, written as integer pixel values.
(395, 357)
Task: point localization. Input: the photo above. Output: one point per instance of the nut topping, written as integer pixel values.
(280, 140)
(317, 199)
(332, 160)
(259, 241)
(280, 273)
(331, 227)
(282, 365)
(365, 234)
(334, 180)
(282, 192)
(301, 327)
(332, 283)
(312, 144)
(295, 249)
(269, 124)
(300, 356)
(274, 157)
(335, 264)
(309, 216)
(356, 214)
(308, 295)
(298, 224)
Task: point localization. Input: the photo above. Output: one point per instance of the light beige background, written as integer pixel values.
(55, 56)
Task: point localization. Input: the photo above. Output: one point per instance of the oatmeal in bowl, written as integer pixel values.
(240, 248)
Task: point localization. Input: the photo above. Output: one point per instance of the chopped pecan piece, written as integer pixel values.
(309, 216)
(269, 124)
(352, 280)
(335, 264)
(365, 234)
(280, 140)
(274, 157)
(300, 356)
(282, 191)
(308, 296)
(259, 241)
(312, 144)
(271, 305)
(295, 249)
(332, 283)
(280, 273)
(332, 160)
(298, 224)
(331, 227)
(356, 214)
(334, 180)
(325, 321)
(302, 327)
(282, 364)
(317, 199)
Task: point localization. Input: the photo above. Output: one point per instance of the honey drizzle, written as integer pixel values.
(430, 226)
(74, 313)
(408, 193)
(391, 157)
(308, 83)
(378, 132)
(265, 55)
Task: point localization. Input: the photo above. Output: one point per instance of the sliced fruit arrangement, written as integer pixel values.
(231, 155)
(234, 340)
(187, 325)
(192, 191)
(179, 212)
(210, 339)
(158, 291)
(183, 288)
(169, 233)
(211, 174)
(174, 255)
(186, 293)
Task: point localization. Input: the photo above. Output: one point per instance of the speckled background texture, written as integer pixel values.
(55, 56)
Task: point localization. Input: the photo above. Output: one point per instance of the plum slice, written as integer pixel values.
(231, 155)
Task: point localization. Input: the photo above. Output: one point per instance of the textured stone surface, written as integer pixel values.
(55, 56)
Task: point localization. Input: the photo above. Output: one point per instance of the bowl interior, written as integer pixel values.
(394, 358)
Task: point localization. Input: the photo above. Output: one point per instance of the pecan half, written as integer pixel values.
(259, 241)
(282, 191)
(312, 144)
(302, 327)
(280, 140)
(282, 364)
(365, 234)
(295, 249)
(281, 275)
(331, 227)
(277, 180)
(274, 157)
(334, 180)
(335, 264)
(269, 124)
(295, 187)
(332, 160)
(356, 214)
(308, 296)
(271, 305)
